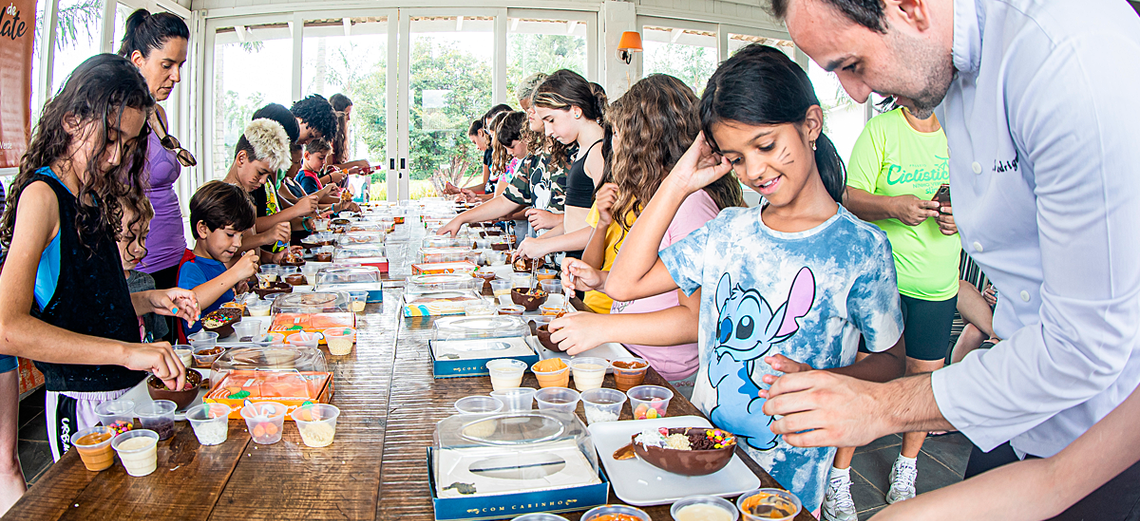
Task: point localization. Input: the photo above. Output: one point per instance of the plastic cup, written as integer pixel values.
(270, 339)
(359, 301)
(184, 353)
(520, 280)
(316, 423)
(204, 339)
(304, 339)
(511, 309)
(557, 398)
(602, 405)
(340, 340)
(158, 416)
(264, 421)
(546, 274)
(517, 399)
(597, 512)
(551, 286)
(703, 508)
(116, 413)
(501, 287)
(589, 372)
(768, 504)
(211, 422)
(555, 378)
(506, 373)
(246, 330)
(94, 446)
(204, 356)
(478, 404)
(649, 401)
(479, 308)
(539, 516)
(138, 450)
(259, 308)
(310, 273)
(272, 270)
(629, 372)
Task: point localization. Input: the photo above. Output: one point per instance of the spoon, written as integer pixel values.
(625, 452)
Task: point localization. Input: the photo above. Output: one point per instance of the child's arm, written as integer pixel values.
(579, 332)
(490, 210)
(594, 253)
(23, 335)
(211, 290)
(172, 302)
(538, 247)
(543, 219)
(304, 206)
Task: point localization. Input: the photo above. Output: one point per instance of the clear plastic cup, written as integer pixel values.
(259, 308)
(557, 398)
(589, 372)
(768, 504)
(649, 401)
(245, 330)
(304, 339)
(551, 286)
(203, 339)
(511, 309)
(340, 340)
(520, 280)
(539, 516)
(310, 272)
(157, 416)
(117, 413)
(211, 422)
(479, 308)
(506, 373)
(316, 423)
(94, 446)
(185, 353)
(264, 421)
(270, 339)
(359, 301)
(517, 399)
(138, 450)
(629, 372)
(478, 404)
(703, 508)
(602, 405)
(271, 270)
(501, 287)
(554, 378)
(597, 512)
(204, 356)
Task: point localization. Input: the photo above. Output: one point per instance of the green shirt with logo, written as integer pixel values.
(891, 158)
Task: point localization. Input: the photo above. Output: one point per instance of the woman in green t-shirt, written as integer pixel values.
(896, 169)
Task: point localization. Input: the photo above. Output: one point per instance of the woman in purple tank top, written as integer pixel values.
(157, 45)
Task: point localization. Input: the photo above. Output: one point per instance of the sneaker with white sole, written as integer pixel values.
(903, 474)
(837, 502)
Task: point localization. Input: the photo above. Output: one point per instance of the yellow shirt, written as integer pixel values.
(597, 301)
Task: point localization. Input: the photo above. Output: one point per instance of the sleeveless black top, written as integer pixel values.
(91, 298)
(579, 186)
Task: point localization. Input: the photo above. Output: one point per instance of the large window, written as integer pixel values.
(843, 119)
(537, 45)
(737, 42)
(252, 67)
(77, 37)
(688, 54)
(349, 56)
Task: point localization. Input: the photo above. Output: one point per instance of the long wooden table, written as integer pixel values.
(375, 469)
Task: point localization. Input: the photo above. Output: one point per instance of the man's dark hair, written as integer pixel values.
(318, 113)
(220, 204)
(868, 13)
(340, 102)
(277, 112)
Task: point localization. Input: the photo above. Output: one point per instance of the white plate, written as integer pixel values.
(639, 483)
(140, 396)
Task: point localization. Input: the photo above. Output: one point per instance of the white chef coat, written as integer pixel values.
(1043, 125)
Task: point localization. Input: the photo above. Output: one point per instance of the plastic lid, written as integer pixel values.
(312, 302)
(456, 328)
(343, 275)
(272, 358)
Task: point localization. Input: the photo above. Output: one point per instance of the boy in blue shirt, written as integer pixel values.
(219, 212)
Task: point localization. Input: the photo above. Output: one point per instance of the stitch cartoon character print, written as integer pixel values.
(809, 296)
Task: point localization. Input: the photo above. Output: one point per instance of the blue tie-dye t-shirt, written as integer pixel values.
(806, 295)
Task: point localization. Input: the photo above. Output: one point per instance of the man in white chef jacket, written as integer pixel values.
(1038, 99)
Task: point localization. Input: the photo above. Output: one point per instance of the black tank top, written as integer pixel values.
(91, 298)
(579, 186)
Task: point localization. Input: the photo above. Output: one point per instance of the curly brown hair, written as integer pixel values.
(98, 91)
(656, 121)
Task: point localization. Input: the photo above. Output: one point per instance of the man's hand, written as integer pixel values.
(912, 211)
(946, 221)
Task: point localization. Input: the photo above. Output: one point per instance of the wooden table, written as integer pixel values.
(376, 468)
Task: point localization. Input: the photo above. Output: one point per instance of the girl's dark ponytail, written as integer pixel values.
(600, 100)
(831, 168)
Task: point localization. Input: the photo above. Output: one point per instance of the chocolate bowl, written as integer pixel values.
(543, 334)
(685, 462)
(183, 398)
(221, 321)
(524, 298)
(274, 287)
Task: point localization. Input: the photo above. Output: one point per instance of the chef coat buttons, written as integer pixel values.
(1024, 296)
(977, 167)
(977, 246)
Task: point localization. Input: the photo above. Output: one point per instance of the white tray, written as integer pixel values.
(639, 483)
(140, 396)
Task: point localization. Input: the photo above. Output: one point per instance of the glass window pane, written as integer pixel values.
(244, 83)
(688, 55)
(353, 65)
(450, 83)
(122, 12)
(37, 48)
(77, 36)
(535, 45)
(842, 117)
(740, 41)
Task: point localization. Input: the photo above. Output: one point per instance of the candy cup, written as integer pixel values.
(649, 401)
(264, 421)
(316, 422)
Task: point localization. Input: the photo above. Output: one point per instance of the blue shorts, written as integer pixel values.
(8, 363)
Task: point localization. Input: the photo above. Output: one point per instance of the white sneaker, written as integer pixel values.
(837, 502)
(902, 477)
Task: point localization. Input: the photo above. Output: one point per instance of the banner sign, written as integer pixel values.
(17, 34)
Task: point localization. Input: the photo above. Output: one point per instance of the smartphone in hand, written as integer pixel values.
(942, 195)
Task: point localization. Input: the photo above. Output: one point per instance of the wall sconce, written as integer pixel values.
(629, 44)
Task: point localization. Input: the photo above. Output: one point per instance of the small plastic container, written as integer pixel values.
(520, 280)
(511, 309)
(245, 330)
(316, 423)
(359, 301)
(506, 373)
(649, 401)
(539, 516)
(264, 421)
(211, 422)
(94, 446)
(157, 416)
(501, 287)
(629, 372)
(703, 507)
(138, 451)
(259, 308)
(206, 339)
(310, 271)
(602, 405)
(517, 399)
(557, 398)
(478, 404)
(545, 274)
(589, 372)
(479, 308)
(597, 512)
(184, 353)
(204, 356)
(340, 340)
(551, 286)
(554, 378)
(768, 504)
(304, 339)
(117, 413)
